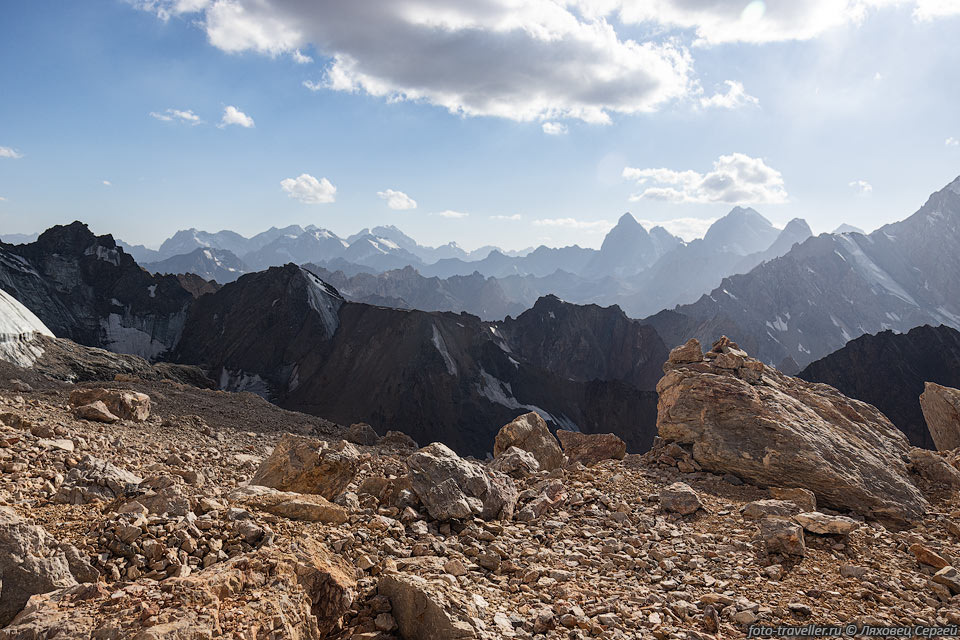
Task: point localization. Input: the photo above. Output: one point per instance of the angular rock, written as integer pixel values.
(515, 462)
(453, 488)
(397, 440)
(422, 610)
(782, 536)
(772, 429)
(295, 506)
(760, 509)
(934, 468)
(823, 524)
(803, 498)
(95, 412)
(691, 351)
(679, 498)
(126, 405)
(551, 496)
(361, 433)
(95, 479)
(529, 433)
(926, 555)
(941, 411)
(31, 562)
(591, 448)
(306, 465)
(948, 577)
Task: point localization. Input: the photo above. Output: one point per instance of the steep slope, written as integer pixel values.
(833, 288)
(85, 288)
(220, 265)
(19, 329)
(796, 231)
(289, 336)
(888, 371)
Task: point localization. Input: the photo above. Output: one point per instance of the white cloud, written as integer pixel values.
(862, 187)
(397, 199)
(107, 183)
(554, 128)
(308, 189)
(931, 9)
(878, 76)
(523, 60)
(735, 179)
(950, 142)
(734, 98)
(178, 115)
(514, 218)
(452, 214)
(232, 115)
(301, 58)
(7, 152)
(589, 226)
(687, 228)
(2, 199)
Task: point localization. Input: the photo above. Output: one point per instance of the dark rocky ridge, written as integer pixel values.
(888, 370)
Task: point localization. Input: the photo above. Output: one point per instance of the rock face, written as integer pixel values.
(31, 562)
(890, 371)
(591, 448)
(421, 612)
(530, 433)
(305, 465)
(941, 410)
(453, 488)
(744, 418)
(299, 593)
(126, 405)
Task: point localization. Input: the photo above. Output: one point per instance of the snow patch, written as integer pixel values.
(239, 380)
(441, 346)
(152, 290)
(500, 392)
(730, 294)
(121, 339)
(873, 273)
(107, 255)
(18, 328)
(323, 299)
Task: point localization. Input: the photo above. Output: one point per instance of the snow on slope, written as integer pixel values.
(18, 327)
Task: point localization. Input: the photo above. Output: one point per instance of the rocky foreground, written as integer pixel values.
(152, 509)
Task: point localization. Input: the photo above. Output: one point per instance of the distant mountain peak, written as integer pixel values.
(798, 225)
(627, 219)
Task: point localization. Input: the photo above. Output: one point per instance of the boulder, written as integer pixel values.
(941, 411)
(516, 463)
(296, 593)
(591, 448)
(306, 465)
(529, 433)
(361, 433)
(691, 351)
(926, 555)
(453, 488)
(803, 498)
(679, 498)
(759, 509)
(422, 610)
(551, 495)
(934, 468)
(782, 536)
(295, 506)
(948, 577)
(95, 412)
(774, 430)
(94, 479)
(31, 562)
(126, 405)
(397, 440)
(823, 524)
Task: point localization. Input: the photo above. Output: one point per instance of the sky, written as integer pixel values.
(506, 122)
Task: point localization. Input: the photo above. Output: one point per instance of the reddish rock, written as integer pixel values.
(590, 448)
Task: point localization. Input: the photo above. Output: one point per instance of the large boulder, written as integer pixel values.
(529, 433)
(95, 480)
(742, 417)
(126, 405)
(941, 410)
(591, 448)
(295, 506)
(31, 562)
(453, 488)
(296, 593)
(307, 465)
(423, 610)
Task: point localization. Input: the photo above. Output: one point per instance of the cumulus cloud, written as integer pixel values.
(514, 218)
(862, 187)
(178, 115)
(397, 199)
(735, 179)
(7, 152)
(931, 9)
(554, 128)
(734, 97)
(232, 115)
(588, 226)
(107, 183)
(950, 142)
(452, 214)
(686, 228)
(301, 58)
(308, 189)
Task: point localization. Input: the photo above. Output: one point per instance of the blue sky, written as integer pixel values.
(830, 110)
